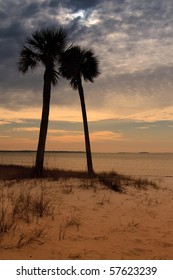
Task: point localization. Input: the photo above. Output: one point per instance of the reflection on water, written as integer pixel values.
(127, 163)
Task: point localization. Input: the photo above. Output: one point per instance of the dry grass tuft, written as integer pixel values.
(36, 235)
(143, 183)
(19, 212)
(111, 180)
(72, 220)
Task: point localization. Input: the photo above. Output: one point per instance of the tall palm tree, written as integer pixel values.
(77, 63)
(44, 47)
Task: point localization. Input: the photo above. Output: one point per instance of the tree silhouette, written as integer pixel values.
(44, 47)
(77, 63)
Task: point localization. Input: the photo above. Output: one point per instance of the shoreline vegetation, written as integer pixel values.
(110, 179)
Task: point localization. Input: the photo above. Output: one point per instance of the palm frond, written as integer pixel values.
(28, 59)
(54, 76)
(74, 84)
(36, 42)
(90, 66)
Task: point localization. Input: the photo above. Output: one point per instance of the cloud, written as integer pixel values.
(4, 137)
(78, 136)
(2, 122)
(132, 40)
(143, 127)
(153, 115)
(107, 136)
(77, 5)
(28, 129)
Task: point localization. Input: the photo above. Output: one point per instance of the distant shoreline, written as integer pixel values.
(32, 151)
(81, 152)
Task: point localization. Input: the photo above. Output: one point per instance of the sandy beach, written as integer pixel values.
(83, 219)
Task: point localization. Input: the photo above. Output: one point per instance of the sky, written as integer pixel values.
(130, 104)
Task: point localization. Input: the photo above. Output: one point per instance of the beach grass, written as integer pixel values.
(112, 180)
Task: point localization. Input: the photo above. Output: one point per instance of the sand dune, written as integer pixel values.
(81, 219)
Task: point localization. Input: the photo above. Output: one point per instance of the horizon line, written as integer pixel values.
(71, 151)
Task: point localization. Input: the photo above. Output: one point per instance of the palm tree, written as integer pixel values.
(77, 63)
(44, 47)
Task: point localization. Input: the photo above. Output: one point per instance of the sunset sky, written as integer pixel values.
(129, 106)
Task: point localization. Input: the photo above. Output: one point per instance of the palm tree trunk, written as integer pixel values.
(43, 126)
(86, 131)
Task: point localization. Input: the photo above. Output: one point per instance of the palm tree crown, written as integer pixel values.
(79, 62)
(44, 46)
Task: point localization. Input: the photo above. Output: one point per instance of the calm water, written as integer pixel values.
(126, 163)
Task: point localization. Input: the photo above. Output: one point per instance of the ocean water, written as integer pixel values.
(142, 164)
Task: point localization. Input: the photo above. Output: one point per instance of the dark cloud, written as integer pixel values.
(53, 3)
(11, 31)
(31, 9)
(76, 5)
(2, 15)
